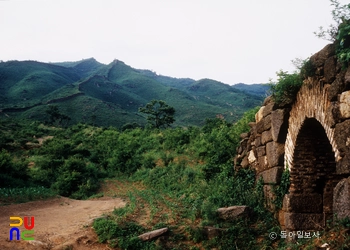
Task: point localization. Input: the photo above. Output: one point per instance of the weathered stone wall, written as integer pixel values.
(310, 137)
(263, 147)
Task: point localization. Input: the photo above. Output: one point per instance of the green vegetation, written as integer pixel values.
(19, 195)
(282, 189)
(343, 42)
(12, 172)
(121, 235)
(87, 91)
(23, 84)
(159, 114)
(174, 177)
(55, 117)
(304, 67)
(254, 89)
(339, 33)
(285, 90)
(170, 177)
(179, 174)
(340, 13)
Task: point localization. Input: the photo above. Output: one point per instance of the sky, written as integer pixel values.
(231, 41)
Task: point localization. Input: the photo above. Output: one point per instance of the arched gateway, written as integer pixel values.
(310, 137)
(310, 154)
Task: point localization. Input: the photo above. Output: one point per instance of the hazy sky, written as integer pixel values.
(227, 40)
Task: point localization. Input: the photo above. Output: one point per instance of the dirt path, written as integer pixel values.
(60, 223)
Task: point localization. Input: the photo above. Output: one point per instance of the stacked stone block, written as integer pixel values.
(263, 148)
(311, 137)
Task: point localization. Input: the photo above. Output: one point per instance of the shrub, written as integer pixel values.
(343, 43)
(12, 173)
(123, 235)
(284, 92)
(24, 194)
(282, 189)
(305, 67)
(76, 179)
(339, 33)
(106, 229)
(57, 148)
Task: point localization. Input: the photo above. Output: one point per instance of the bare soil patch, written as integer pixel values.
(60, 223)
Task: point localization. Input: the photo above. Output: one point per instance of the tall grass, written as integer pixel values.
(25, 194)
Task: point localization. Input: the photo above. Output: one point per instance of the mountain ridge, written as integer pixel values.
(27, 87)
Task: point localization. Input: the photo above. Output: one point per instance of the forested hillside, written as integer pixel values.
(110, 95)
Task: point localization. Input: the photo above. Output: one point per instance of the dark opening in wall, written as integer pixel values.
(312, 178)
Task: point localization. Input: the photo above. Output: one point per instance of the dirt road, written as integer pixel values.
(60, 223)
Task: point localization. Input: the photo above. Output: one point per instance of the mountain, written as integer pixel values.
(110, 95)
(254, 89)
(84, 67)
(20, 82)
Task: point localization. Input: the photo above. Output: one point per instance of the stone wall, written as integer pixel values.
(263, 147)
(310, 137)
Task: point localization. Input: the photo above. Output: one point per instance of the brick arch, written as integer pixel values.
(310, 154)
(313, 159)
(309, 203)
(298, 137)
(312, 102)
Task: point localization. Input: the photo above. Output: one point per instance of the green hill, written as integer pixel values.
(110, 95)
(23, 84)
(84, 67)
(254, 89)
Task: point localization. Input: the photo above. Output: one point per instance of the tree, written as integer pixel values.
(339, 33)
(340, 14)
(12, 173)
(55, 117)
(159, 113)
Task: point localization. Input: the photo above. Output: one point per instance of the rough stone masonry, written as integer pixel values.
(310, 137)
